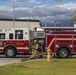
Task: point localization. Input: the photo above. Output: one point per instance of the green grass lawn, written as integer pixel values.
(41, 67)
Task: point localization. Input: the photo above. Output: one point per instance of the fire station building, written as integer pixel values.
(74, 18)
(7, 24)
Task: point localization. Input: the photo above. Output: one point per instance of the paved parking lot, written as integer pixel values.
(5, 61)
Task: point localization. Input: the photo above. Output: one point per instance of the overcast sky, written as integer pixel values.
(48, 11)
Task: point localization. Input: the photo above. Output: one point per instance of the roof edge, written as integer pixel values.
(31, 20)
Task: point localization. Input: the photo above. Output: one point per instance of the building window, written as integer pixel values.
(18, 34)
(2, 35)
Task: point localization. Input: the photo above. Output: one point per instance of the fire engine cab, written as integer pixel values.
(61, 41)
(14, 41)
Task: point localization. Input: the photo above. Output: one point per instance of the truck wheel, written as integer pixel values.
(10, 52)
(63, 53)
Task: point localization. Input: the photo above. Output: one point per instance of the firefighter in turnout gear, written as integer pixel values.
(35, 51)
(34, 48)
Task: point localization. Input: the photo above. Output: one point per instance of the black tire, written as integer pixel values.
(10, 52)
(63, 53)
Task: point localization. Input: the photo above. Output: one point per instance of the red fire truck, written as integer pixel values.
(61, 41)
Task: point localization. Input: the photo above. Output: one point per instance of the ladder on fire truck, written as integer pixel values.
(58, 28)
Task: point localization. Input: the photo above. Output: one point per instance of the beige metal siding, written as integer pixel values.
(18, 24)
(21, 24)
(30, 25)
(6, 25)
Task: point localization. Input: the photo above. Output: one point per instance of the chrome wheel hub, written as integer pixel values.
(10, 52)
(63, 53)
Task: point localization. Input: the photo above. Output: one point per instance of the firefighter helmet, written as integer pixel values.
(35, 41)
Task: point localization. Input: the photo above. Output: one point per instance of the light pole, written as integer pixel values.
(62, 25)
(68, 23)
(13, 13)
(55, 23)
(28, 17)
